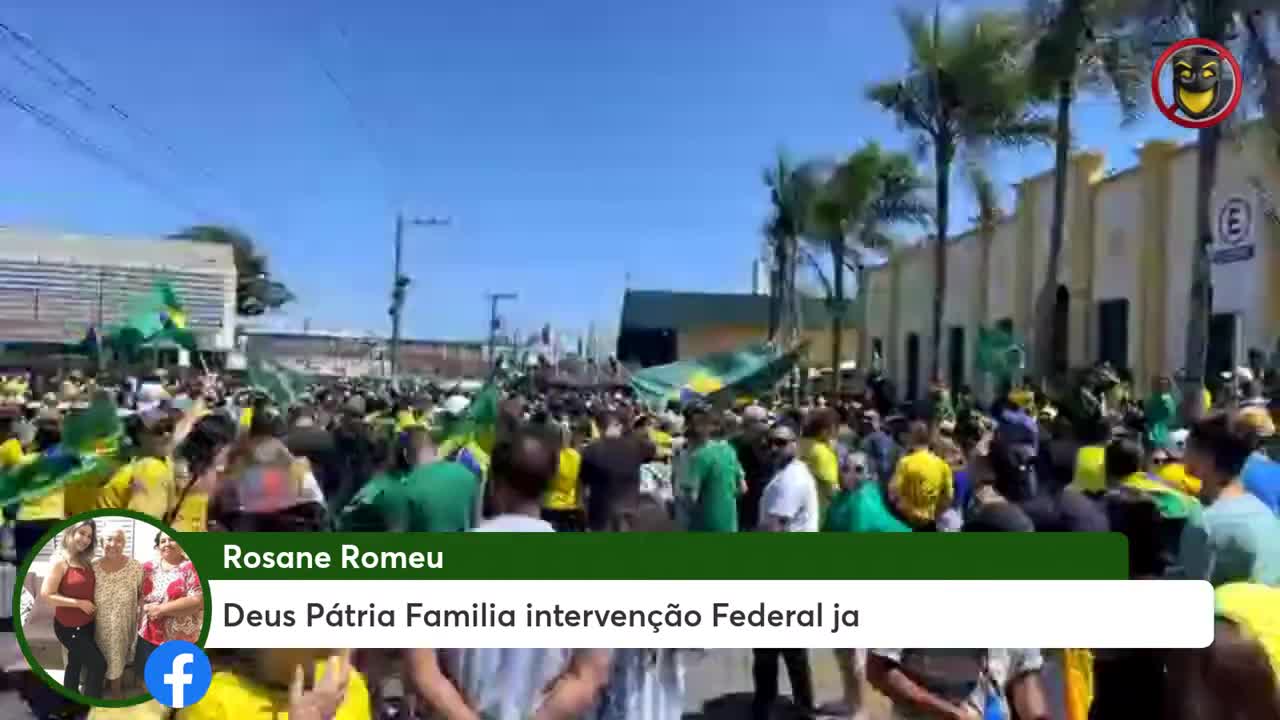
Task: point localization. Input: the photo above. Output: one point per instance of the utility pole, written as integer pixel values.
(400, 282)
(494, 299)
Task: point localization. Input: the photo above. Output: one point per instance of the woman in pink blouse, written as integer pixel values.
(172, 600)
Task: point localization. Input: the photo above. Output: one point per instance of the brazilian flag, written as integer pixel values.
(156, 315)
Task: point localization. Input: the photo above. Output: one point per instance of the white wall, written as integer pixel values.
(1000, 293)
(141, 544)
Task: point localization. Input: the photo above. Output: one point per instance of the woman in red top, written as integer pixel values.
(172, 600)
(69, 588)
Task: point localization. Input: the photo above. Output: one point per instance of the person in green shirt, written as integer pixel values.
(442, 496)
(414, 492)
(716, 474)
(1161, 412)
(861, 505)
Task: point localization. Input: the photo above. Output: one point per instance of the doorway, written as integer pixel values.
(913, 366)
(1223, 338)
(1061, 328)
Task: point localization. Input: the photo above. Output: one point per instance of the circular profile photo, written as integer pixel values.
(97, 596)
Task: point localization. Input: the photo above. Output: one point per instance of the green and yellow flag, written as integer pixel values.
(90, 450)
(156, 315)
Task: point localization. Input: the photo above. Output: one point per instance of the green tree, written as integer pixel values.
(988, 216)
(965, 90)
(792, 188)
(1075, 52)
(256, 291)
(859, 201)
(1265, 56)
(1220, 21)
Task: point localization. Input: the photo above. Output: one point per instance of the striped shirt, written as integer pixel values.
(503, 683)
(643, 685)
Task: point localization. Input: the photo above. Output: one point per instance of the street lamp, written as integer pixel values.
(400, 282)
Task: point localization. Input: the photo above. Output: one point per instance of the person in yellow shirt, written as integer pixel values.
(1167, 464)
(146, 484)
(272, 684)
(12, 453)
(149, 484)
(275, 684)
(1238, 674)
(817, 451)
(922, 486)
(37, 514)
(201, 458)
(1090, 474)
(562, 504)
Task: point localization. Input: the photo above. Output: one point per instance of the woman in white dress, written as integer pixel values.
(119, 581)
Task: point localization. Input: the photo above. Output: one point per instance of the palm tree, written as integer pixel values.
(791, 192)
(1070, 56)
(256, 291)
(964, 91)
(1265, 57)
(1214, 20)
(853, 210)
(988, 216)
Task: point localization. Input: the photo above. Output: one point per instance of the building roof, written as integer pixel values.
(668, 310)
(114, 251)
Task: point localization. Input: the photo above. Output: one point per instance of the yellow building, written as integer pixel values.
(660, 326)
(1125, 269)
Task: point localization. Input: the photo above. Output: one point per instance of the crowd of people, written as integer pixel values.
(1196, 492)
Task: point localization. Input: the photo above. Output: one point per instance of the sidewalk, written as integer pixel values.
(719, 686)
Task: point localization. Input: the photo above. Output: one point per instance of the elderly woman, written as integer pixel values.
(172, 600)
(115, 593)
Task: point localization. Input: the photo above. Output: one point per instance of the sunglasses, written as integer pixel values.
(780, 442)
(1161, 460)
(859, 469)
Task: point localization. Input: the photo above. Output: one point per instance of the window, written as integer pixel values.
(955, 356)
(913, 366)
(1113, 332)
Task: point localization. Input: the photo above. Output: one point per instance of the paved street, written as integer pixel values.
(720, 685)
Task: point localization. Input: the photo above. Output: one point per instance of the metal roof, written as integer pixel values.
(45, 246)
(668, 310)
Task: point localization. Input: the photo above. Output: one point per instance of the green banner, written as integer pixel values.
(658, 556)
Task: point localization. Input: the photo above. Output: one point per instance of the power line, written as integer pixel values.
(376, 150)
(381, 156)
(58, 76)
(87, 147)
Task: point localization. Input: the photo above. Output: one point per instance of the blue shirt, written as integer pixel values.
(882, 451)
(1234, 540)
(1261, 477)
(963, 489)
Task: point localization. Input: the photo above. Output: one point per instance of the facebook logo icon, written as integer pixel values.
(177, 674)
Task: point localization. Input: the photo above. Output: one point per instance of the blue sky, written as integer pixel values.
(573, 143)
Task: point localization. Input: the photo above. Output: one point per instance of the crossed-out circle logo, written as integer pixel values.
(1204, 83)
(177, 673)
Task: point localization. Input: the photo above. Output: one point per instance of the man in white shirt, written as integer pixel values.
(511, 683)
(790, 500)
(789, 504)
